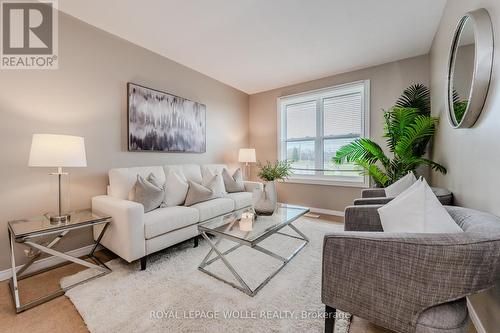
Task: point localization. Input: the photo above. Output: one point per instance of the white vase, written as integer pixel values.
(265, 200)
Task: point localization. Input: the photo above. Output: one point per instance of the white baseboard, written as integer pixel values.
(326, 211)
(475, 319)
(47, 262)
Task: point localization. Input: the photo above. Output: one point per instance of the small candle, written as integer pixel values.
(246, 224)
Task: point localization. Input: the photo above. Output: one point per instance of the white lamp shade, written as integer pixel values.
(51, 150)
(247, 155)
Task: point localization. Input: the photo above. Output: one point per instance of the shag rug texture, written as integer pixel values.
(172, 295)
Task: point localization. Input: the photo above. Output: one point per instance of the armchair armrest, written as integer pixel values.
(125, 234)
(373, 193)
(372, 201)
(251, 186)
(390, 279)
(362, 218)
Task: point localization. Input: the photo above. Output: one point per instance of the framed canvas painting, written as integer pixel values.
(161, 122)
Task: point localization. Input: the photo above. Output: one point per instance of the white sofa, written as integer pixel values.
(134, 234)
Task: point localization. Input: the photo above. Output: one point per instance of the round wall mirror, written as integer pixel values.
(469, 70)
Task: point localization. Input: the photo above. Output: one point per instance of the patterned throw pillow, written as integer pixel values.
(233, 183)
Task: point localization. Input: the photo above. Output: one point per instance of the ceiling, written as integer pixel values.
(258, 45)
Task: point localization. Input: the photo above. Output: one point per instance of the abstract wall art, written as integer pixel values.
(158, 121)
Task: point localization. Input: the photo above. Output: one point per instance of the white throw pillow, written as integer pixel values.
(176, 188)
(400, 186)
(219, 188)
(404, 213)
(417, 210)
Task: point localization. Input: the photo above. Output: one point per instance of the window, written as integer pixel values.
(312, 126)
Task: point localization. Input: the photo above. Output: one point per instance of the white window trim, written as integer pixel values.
(324, 93)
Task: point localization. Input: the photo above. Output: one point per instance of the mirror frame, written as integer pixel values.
(483, 63)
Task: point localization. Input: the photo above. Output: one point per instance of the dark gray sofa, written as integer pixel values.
(409, 282)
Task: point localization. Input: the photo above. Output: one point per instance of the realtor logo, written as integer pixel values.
(29, 35)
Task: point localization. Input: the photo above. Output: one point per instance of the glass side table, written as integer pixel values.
(28, 231)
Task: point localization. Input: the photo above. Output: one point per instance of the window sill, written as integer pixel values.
(327, 182)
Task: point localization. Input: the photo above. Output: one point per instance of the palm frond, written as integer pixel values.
(361, 149)
(375, 172)
(421, 129)
(416, 96)
(396, 120)
(416, 161)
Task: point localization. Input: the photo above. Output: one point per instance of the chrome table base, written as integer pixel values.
(17, 274)
(243, 286)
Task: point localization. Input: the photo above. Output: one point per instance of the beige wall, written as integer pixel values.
(470, 154)
(386, 82)
(87, 97)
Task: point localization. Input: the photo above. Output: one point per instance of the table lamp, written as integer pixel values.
(246, 155)
(51, 150)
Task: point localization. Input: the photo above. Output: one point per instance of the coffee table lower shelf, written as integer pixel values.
(221, 255)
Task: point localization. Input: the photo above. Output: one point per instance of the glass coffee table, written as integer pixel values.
(245, 228)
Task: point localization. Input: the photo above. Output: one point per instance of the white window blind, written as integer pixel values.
(314, 125)
(342, 115)
(301, 120)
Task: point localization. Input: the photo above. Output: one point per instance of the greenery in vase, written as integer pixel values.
(278, 170)
(408, 129)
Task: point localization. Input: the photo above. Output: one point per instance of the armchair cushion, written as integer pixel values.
(451, 317)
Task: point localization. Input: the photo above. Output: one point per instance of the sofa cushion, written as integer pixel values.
(121, 180)
(449, 317)
(213, 168)
(212, 208)
(241, 199)
(163, 220)
(187, 171)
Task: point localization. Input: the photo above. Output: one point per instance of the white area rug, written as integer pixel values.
(172, 295)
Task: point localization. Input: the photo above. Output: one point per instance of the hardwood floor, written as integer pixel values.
(60, 316)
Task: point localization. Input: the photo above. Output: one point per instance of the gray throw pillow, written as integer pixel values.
(155, 181)
(199, 193)
(233, 183)
(148, 194)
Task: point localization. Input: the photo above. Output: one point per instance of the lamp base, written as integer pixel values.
(60, 219)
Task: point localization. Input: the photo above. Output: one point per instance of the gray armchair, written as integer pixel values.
(376, 196)
(409, 282)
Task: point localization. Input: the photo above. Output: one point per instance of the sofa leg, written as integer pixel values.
(196, 241)
(329, 319)
(143, 262)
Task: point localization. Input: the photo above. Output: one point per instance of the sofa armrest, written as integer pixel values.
(252, 186)
(390, 279)
(372, 201)
(125, 235)
(362, 218)
(372, 193)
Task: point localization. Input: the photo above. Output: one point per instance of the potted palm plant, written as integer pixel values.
(270, 173)
(409, 127)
